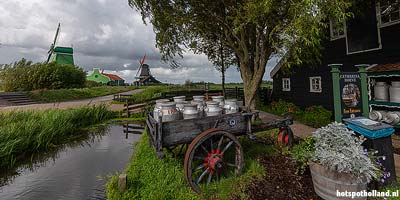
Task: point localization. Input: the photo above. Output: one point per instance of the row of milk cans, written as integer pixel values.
(198, 107)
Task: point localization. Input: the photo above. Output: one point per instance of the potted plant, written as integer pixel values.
(339, 163)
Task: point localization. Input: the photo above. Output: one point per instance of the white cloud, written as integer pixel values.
(104, 33)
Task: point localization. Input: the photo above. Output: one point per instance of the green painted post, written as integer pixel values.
(336, 91)
(364, 88)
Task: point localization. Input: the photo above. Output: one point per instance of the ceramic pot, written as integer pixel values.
(213, 108)
(190, 111)
(381, 91)
(395, 92)
(231, 106)
(157, 107)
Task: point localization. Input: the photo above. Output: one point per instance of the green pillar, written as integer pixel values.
(364, 88)
(336, 91)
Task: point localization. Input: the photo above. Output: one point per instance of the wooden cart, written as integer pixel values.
(213, 149)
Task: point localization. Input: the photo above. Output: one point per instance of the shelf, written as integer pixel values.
(382, 103)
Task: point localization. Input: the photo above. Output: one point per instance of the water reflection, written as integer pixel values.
(71, 171)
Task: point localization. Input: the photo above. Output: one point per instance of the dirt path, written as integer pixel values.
(73, 104)
(299, 130)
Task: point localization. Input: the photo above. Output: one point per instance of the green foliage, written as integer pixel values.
(25, 76)
(303, 152)
(152, 178)
(77, 93)
(24, 132)
(315, 116)
(89, 84)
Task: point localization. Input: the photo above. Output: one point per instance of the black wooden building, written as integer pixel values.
(371, 37)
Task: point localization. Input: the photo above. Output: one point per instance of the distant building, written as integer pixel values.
(105, 79)
(145, 77)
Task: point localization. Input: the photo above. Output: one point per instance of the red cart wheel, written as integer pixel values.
(212, 154)
(285, 137)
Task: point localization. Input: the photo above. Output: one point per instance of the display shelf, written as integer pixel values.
(383, 103)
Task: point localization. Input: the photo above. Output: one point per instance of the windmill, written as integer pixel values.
(61, 55)
(51, 51)
(143, 74)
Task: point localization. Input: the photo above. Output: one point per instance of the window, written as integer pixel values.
(389, 12)
(337, 30)
(285, 84)
(315, 84)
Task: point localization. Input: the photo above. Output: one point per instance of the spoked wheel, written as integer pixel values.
(285, 137)
(212, 155)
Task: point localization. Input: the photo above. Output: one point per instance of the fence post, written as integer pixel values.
(236, 92)
(127, 108)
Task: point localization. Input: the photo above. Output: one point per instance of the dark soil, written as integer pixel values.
(282, 182)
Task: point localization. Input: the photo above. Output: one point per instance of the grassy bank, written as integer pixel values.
(151, 178)
(149, 93)
(25, 132)
(81, 93)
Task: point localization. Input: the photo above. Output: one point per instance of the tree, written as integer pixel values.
(254, 30)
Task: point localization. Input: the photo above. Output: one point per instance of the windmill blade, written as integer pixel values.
(140, 67)
(51, 50)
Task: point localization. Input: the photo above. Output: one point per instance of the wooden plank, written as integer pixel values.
(184, 131)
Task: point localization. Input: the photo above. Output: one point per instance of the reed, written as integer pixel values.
(25, 132)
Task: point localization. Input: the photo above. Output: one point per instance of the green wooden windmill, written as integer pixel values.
(58, 54)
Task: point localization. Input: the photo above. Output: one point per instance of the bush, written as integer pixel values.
(280, 107)
(90, 84)
(316, 116)
(303, 152)
(25, 76)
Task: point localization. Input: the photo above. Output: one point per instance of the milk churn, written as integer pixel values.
(168, 112)
(179, 98)
(381, 91)
(392, 118)
(200, 106)
(213, 108)
(395, 92)
(180, 106)
(190, 111)
(157, 107)
(231, 106)
(219, 99)
(198, 98)
(377, 115)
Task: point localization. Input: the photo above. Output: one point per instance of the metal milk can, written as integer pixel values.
(190, 111)
(219, 99)
(180, 106)
(200, 106)
(198, 98)
(157, 107)
(168, 112)
(231, 106)
(381, 91)
(377, 115)
(392, 118)
(395, 92)
(213, 108)
(179, 98)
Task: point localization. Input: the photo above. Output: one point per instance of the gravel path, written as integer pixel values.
(73, 104)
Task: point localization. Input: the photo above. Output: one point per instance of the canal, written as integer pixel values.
(77, 170)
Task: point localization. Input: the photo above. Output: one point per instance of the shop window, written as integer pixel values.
(285, 84)
(315, 84)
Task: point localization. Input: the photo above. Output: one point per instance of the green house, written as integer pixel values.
(63, 55)
(106, 79)
(98, 77)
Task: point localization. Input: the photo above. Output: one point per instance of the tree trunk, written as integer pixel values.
(252, 77)
(223, 80)
(221, 51)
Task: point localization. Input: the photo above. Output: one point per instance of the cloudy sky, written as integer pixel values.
(107, 34)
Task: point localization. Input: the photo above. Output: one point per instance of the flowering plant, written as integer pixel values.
(340, 149)
(383, 174)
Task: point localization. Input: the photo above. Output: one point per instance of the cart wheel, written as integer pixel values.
(212, 154)
(285, 137)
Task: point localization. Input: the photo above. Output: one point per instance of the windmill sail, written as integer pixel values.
(54, 44)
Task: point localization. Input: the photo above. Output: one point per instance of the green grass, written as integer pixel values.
(77, 93)
(149, 93)
(151, 178)
(25, 132)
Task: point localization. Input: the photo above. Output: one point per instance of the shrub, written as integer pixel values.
(316, 116)
(90, 84)
(280, 107)
(338, 148)
(25, 76)
(303, 152)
